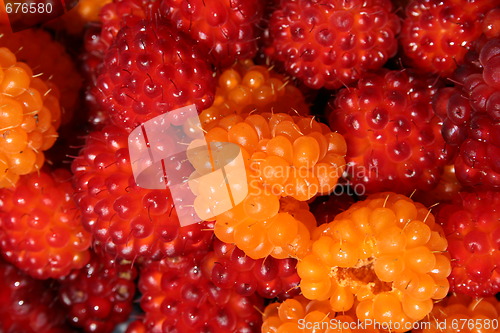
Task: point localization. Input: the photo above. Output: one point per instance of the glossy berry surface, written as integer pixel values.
(463, 309)
(471, 117)
(473, 233)
(127, 220)
(393, 138)
(331, 43)
(99, 295)
(151, 69)
(437, 34)
(28, 305)
(289, 160)
(383, 257)
(249, 88)
(40, 228)
(177, 297)
(29, 118)
(299, 314)
(225, 30)
(112, 17)
(270, 278)
(50, 62)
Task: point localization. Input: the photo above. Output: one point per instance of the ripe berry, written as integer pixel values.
(229, 267)
(28, 305)
(99, 296)
(332, 43)
(127, 220)
(285, 156)
(445, 190)
(471, 117)
(113, 16)
(40, 227)
(177, 297)
(246, 88)
(225, 30)
(393, 138)
(75, 21)
(473, 233)
(325, 208)
(50, 62)
(385, 252)
(151, 69)
(29, 118)
(437, 34)
(301, 315)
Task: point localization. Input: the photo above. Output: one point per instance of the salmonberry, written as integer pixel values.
(248, 88)
(471, 224)
(127, 220)
(285, 156)
(394, 140)
(151, 69)
(50, 62)
(460, 313)
(28, 122)
(436, 34)
(302, 315)
(99, 296)
(230, 268)
(331, 43)
(40, 227)
(384, 257)
(177, 297)
(225, 30)
(471, 116)
(29, 305)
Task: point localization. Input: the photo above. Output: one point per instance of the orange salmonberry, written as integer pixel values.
(302, 315)
(461, 313)
(247, 87)
(288, 160)
(40, 228)
(50, 62)
(384, 257)
(29, 117)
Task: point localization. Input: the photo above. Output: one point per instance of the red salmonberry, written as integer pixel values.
(127, 220)
(230, 268)
(436, 34)
(177, 297)
(471, 224)
(331, 43)
(29, 305)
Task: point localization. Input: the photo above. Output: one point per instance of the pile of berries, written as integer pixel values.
(307, 166)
